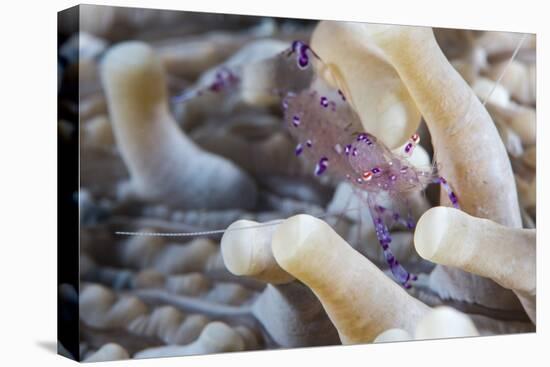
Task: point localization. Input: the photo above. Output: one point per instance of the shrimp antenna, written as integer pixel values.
(497, 83)
(502, 73)
(221, 231)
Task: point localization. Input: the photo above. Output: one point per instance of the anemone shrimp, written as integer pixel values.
(328, 134)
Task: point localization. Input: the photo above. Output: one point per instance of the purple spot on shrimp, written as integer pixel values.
(321, 166)
(408, 148)
(299, 149)
(354, 152)
(376, 170)
(296, 120)
(347, 149)
(364, 137)
(324, 102)
(299, 47)
(453, 198)
(223, 78)
(303, 61)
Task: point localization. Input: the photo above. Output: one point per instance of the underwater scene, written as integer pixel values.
(250, 183)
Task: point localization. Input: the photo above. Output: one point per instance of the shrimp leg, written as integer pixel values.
(450, 193)
(384, 238)
(395, 217)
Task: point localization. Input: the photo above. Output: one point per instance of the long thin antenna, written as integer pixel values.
(218, 231)
(499, 79)
(192, 234)
(497, 83)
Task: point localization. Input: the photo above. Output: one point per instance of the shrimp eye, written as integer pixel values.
(367, 175)
(415, 138)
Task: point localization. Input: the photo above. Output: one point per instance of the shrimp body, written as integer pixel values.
(327, 136)
(329, 133)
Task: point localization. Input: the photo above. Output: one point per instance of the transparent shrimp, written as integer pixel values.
(328, 134)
